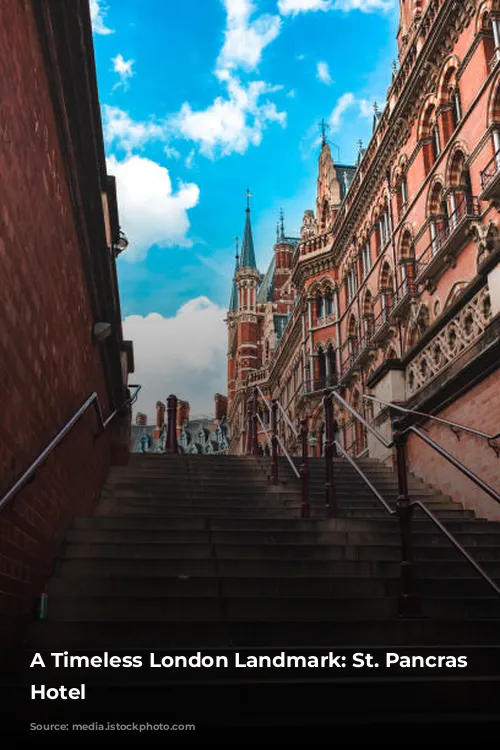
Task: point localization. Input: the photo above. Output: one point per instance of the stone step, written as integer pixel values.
(256, 633)
(202, 536)
(275, 586)
(258, 608)
(269, 550)
(134, 567)
(182, 522)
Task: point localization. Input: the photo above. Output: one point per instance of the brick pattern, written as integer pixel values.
(478, 409)
(48, 363)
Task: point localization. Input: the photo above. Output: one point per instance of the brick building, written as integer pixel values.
(393, 290)
(60, 326)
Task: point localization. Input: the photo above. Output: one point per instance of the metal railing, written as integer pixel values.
(409, 601)
(456, 427)
(92, 401)
(491, 170)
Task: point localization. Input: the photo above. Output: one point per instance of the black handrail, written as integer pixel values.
(93, 400)
(447, 422)
(404, 506)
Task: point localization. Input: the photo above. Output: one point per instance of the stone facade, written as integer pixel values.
(393, 290)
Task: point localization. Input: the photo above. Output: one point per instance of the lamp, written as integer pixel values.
(312, 441)
(121, 245)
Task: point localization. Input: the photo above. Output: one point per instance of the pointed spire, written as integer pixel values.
(277, 231)
(324, 128)
(247, 249)
(360, 150)
(282, 225)
(233, 303)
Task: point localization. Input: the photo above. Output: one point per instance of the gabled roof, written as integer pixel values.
(266, 289)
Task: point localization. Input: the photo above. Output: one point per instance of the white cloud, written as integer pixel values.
(343, 103)
(171, 152)
(323, 73)
(184, 354)
(128, 134)
(291, 94)
(366, 108)
(293, 7)
(124, 69)
(244, 39)
(98, 12)
(151, 212)
(190, 159)
(230, 125)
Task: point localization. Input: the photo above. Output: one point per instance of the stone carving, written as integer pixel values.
(446, 346)
(309, 225)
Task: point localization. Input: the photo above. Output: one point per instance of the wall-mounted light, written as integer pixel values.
(101, 332)
(312, 441)
(121, 245)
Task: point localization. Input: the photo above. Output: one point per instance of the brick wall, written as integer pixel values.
(480, 409)
(48, 363)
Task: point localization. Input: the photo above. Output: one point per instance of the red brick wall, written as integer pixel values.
(479, 408)
(48, 363)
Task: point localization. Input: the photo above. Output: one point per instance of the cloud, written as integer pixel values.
(124, 69)
(291, 94)
(244, 39)
(184, 354)
(98, 11)
(128, 134)
(344, 102)
(294, 7)
(323, 73)
(151, 212)
(230, 125)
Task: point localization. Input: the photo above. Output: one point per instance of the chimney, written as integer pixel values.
(141, 419)
(182, 414)
(160, 419)
(220, 407)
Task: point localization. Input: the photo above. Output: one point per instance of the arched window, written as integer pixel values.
(330, 367)
(319, 305)
(353, 337)
(366, 258)
(407, 261)
(386, 289)
(460, 197)
(368, 319)
(430, 134)
(325, 211)
(320, 369)
(456, 106)
(328, 302)
(438, 210)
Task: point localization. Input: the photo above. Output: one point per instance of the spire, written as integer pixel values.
(233, 304)
(282, 224)
(324, 128)
(247, 250)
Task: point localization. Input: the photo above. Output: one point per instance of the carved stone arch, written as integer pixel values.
(319, 346)
(432, 198)
(352, 330)
(391, 351)
(367, 306)
(494, 103)
(385, 275)
(447, 77)
(314, 288)
(455, 292)
(326, 283)
(427, 116)
(406, 248)
(329, 343)
(483, 16)
(453, 166)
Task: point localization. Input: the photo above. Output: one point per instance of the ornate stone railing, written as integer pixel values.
(457, 335)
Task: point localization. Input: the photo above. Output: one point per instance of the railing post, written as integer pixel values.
(171, 441)
(330, 500)
(304, 471)
(248, 445)
(255, 436)
(409, 602)
(274, 441)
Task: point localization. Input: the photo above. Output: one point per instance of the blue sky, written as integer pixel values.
(200, 99)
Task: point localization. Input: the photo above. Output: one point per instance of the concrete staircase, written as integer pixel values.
(188, 553)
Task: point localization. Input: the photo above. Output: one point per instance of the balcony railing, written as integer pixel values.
(490, 171)
(447, 238)
(402, 296)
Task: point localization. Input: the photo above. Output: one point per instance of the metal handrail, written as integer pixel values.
(295, 470)
(463, 427)
(265, 431)
(428, 513)
(287, 418)
(259, 389)
(486, 176)
(451, 459)
(93, 400)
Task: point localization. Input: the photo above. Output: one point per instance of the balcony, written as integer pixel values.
(443, 249)
(490, 180)
(402, 298)
(318, 385)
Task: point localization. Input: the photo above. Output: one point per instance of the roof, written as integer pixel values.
(247, 249)
(233, 302)
(265, 293)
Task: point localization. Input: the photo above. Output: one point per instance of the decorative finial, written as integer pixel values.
(394, 67)
(237, 250)
(375, 109)
(324, 128)
(248, 195)
(282, 224)
(277, 231)
(360, 150)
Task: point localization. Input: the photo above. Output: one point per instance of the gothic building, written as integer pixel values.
(393, 288)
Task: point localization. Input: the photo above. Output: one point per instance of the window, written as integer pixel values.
(352, 284)
(329, 302)
(435, 142)
(404, 191)
(366, 259)
(384, 228)
(319, 306)
(456, 109)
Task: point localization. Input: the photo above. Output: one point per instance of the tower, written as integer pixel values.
(232, 332)
(283, 251)
(247, 282)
